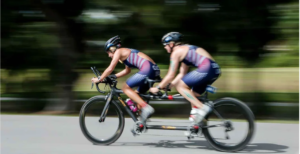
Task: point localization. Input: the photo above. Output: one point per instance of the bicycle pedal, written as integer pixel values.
(134, 133)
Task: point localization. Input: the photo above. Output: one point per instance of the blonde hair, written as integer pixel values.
(177, 43)
(113, 48)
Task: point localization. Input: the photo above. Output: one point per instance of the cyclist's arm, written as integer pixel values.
(183, 70)
(112, 65)
(174, 63)
(126, 71)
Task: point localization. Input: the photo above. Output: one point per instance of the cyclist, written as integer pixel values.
(207, 72)
(132, 58)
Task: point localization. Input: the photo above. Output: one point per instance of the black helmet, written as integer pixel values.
(172, 36)
(114, 41)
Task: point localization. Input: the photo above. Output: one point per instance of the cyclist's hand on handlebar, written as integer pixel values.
(95, 80)
(154, 90)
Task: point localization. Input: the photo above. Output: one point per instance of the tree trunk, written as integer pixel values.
(70, 38)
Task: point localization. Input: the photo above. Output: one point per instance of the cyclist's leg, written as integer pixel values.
(196, 95)
(151, 71)
(142, 89)
(201, 88)
(137, 80)
(200, 110)
(197, 79)
(186, 92)
(134, 81)
(152, 74)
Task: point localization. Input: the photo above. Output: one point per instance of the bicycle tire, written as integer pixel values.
(84, 130)
(250, 118)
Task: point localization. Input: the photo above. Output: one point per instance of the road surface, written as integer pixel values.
(39, 134)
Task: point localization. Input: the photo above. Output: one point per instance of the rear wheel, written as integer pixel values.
(234, 130)
(106, 132)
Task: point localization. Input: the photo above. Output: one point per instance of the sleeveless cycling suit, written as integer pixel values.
(208, 70)
(147, 69)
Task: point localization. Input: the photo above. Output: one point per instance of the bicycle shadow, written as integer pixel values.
(202, 144)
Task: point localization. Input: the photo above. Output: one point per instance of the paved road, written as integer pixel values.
(25, 134)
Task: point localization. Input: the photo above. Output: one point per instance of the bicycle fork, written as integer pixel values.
(105, 109)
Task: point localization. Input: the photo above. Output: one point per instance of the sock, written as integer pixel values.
(143, 104)
(206, 108)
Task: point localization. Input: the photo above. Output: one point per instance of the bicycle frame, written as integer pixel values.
(115, 92)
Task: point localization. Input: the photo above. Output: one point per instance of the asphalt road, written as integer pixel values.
(26, 134)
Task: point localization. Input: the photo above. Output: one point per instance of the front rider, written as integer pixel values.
(132, 58)
(191, 84)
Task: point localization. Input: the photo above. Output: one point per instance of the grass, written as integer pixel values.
(246, 96)
(231, 80)
(282, 80)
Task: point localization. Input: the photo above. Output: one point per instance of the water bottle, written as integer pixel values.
(131, 105)
(211, 89)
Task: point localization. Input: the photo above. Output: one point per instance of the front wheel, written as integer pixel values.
(106, 132)
(221, 129)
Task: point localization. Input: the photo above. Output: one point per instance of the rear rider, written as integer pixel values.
(132, 58)
(193, 83)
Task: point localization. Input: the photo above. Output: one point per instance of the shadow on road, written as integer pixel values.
(266, 147)
(199, 144)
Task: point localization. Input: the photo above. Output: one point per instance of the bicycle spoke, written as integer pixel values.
(211, 126)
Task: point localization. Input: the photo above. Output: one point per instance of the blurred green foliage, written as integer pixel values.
(238, 33)
(60, 36)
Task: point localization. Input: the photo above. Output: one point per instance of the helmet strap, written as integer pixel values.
(172, 47)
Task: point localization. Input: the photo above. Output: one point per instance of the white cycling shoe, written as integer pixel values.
(197, 115)
(147, 111)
